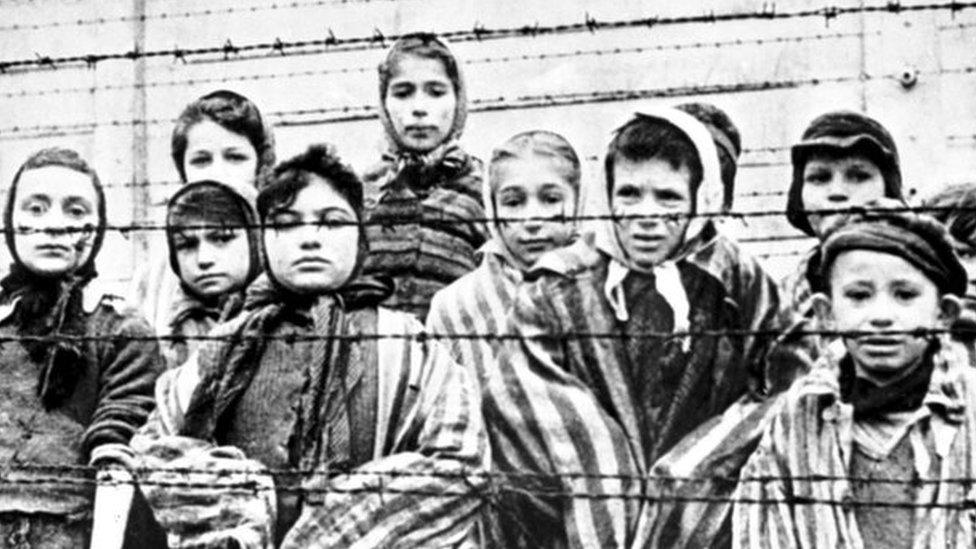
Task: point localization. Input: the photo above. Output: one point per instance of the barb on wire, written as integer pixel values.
(445, 219)
(531, 30)
(293, 338)
(179, 55)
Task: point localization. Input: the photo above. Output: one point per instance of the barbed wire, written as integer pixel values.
(475, 61)
(170, 16)
(292, 338)
(351, 113)
(479, 33)
(444, 219)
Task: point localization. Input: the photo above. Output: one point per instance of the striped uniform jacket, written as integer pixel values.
(795, 491)
(424, 234)
(562, 414)
(407, 476)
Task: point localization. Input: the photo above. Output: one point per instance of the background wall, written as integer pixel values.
(310, 65)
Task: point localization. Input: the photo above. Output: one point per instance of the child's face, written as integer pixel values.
(218, 154)
(967, 256)
(213, 261)
(421, 102)
(873, 293)
(50, 200)
(534, 192)
(832, 182)
(650, 188)
(318, 252)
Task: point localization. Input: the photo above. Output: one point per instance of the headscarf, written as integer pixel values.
(541, 146)
(212, 203)
(446, 156)
(727, 140)
(708, 203)
(918, 239)
(843, 131)
(52, 307)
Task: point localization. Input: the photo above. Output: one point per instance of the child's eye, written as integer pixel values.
(436, 90)
(36, 208)
(285, 221)
(200, 160)
(906, 294)
(236, 157)
(334, 220)
(552, 198)
(628, 191)
(223, 236)
(402, 91)
(817, 176)
(668, 196)
(183, 243)
(859, 176)
(857, 295)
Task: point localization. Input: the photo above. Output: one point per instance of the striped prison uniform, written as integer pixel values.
(566, 417)
(424, 237)
(797, 491)
(399, 459)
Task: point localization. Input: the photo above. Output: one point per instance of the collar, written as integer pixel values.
(667, 280)
(91, 298)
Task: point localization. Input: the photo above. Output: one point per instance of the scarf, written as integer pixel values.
(51, 309)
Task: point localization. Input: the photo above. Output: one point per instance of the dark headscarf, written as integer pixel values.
(918, 239)
(211, 203)
(843, 131)
(52, 308)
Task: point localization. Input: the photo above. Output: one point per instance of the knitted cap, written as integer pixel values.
(918, 239)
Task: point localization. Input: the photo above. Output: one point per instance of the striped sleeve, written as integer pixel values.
(569, 473)
(427, 489)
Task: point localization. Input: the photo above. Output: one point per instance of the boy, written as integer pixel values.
(300, 383)
(79, 383)
(608, 368)
(895, 409)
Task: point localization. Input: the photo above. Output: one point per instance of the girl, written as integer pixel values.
(214, 250)
(219, 137)
(80, 383)
(299, 381)
(425, 196)
(533, 185)
(868, 449)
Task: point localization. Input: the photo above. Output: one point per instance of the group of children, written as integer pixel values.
(426, 357)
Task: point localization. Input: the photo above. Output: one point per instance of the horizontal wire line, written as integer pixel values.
(351, 113)
(292, 338)
(479, 33)
(476, 61)
(445, 219)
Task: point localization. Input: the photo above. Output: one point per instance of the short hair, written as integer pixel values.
(282, 185)
(645, 138)
(208, 205)
(955, 207)
(231, 111)
(717, 120)
(541, 144)
(64, 158)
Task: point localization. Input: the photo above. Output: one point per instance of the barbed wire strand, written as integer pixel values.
(476, 61)
(479, 33)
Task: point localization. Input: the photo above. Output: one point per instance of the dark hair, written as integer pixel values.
(282, 185)
(424, 45)
(645, 138)
(65, 158)
(725, 134)
(955, 207)
(231, 111)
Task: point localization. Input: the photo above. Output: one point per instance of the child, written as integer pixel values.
(843, 160)
(300, 381)
(222, 137)
(955, 207)
(534, 177)
(607, 368)
(214, 250)
(80, 383)
(867, 449)
(425, 196)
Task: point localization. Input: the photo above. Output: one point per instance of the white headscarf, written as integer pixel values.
(708, 202)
